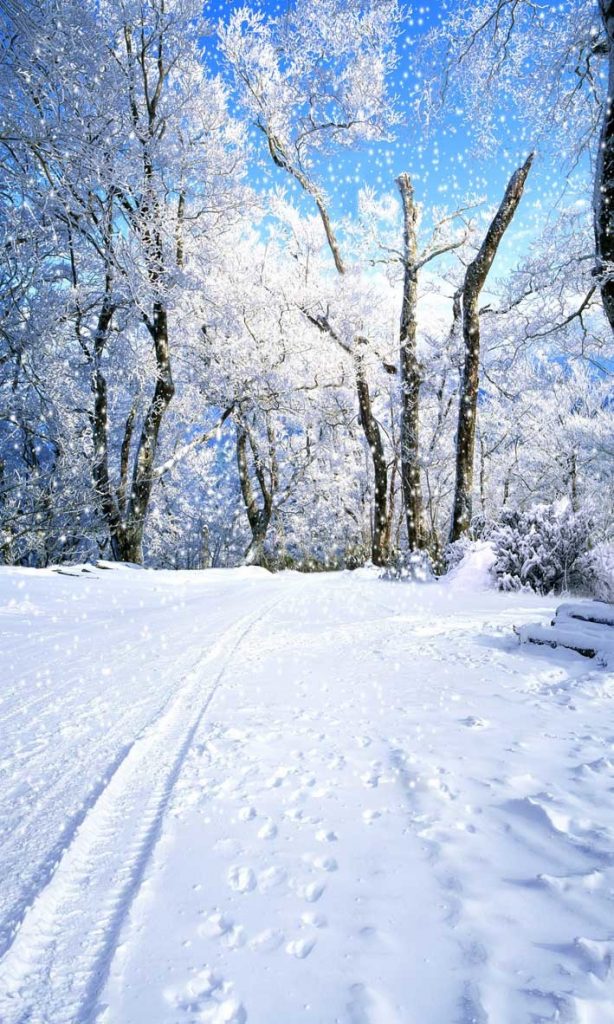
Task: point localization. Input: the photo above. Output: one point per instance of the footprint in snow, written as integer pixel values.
(270, 878)
(321, 863)
(300, 948)
(595, 956)
(268, 830)
(326, 836)
(235, 937)
(267, 941)
(247, 813)
(472, 722)
(313, 892)
(211, 997)
(314, 920)
(370, 779)
(215, 925)
(589, 880)
(198, 989)
(241, 879)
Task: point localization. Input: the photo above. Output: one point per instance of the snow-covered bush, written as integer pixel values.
(542, 549)
(597, 568)
(414, 566)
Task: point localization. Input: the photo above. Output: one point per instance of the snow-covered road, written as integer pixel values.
(229, 797)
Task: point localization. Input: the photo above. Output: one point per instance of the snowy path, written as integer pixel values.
(326, 799)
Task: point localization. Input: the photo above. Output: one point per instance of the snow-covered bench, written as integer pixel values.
(586, 627)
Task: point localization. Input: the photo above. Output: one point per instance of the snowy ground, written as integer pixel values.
(229, 797)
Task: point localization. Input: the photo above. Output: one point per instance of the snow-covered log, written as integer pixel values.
(585, 627)
(588, 611)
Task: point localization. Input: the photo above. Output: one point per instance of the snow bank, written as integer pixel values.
(473, 571)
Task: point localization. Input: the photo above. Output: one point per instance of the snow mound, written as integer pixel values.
(473, 572)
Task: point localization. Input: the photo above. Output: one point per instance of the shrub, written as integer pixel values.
(597, 568)
(413, 566)
(542, 549)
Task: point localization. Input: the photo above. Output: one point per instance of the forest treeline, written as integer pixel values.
(202, 362)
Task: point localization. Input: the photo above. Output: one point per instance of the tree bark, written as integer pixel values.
(410, 372)
(146, 220)
(380, 547)
(100, 428)
(475, 278)
(142, 476)
(258, 516)
(604, 178)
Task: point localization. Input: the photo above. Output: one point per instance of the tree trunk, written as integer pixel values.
(142, 476)
(475, 278)
(604, 178)
(380, 547)
(257, 517)
(410, 372)
(100, 428)
(573, 481)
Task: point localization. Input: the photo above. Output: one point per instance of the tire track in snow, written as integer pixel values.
(16, 913)
(21, 887)
(43, 871)
(58, 962)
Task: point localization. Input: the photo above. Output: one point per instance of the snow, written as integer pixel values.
(231, 797)
(591, 611)
(473, 570)
(586, 627)
(588, 638)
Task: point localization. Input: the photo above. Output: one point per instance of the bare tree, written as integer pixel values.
(323, 112)
(521, 45)
(475, 278)
(380, 546)
(411, 373)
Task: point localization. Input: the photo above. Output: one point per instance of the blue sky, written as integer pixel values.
(443, 166)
